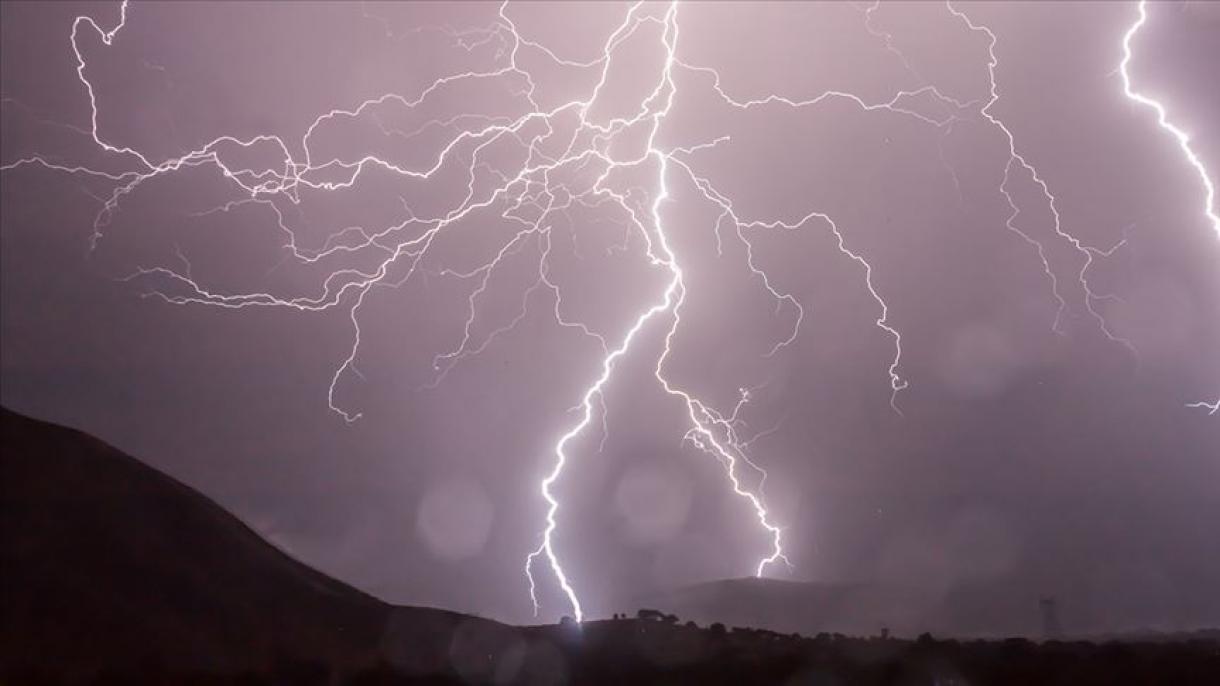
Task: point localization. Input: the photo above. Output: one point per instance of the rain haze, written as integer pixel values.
(362, 322)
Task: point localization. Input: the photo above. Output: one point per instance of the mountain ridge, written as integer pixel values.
(860, 608)
(107, 561)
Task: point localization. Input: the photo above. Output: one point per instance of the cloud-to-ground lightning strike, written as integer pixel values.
(1183, 139)
(671, 292)
(546, 186)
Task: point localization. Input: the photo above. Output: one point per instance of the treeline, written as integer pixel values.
(655, 648)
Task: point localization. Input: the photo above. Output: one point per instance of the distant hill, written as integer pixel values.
(108, 563)
(853, 609)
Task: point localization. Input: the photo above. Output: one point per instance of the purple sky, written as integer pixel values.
(1031, 460)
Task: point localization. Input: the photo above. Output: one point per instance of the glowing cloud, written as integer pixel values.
(530, 197)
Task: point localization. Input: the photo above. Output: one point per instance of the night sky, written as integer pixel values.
(1037, 449)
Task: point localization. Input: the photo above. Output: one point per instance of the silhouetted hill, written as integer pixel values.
(108, 563)
(856, 609)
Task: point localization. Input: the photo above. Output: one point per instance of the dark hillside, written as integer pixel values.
(106, 561)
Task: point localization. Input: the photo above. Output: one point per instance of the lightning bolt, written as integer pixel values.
(1016, 159)
(571, 160)
(1182, 138)
(1212, 408)
(703, 419)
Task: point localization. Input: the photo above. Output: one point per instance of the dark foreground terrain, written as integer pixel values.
(112, 573)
